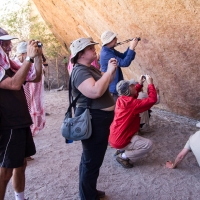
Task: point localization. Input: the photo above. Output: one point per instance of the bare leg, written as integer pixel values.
(5, 175)
(19, 178)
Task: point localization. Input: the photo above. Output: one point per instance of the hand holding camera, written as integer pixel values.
(142, 79)
(149, 79)
(39, 44)
(133, 43)
(32, 50)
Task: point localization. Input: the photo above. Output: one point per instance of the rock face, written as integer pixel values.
(169, 47)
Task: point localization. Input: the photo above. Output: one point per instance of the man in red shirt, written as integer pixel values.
(126, 123)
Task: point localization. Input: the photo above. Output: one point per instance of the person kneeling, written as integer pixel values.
(126, 123)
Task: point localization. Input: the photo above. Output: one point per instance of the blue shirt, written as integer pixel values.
(123, 59)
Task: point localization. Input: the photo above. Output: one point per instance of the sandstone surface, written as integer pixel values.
(169, 49)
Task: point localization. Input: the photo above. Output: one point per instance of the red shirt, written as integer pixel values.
(126, 120)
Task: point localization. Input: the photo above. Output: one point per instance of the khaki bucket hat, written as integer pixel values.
(80, 44)
(107, 37)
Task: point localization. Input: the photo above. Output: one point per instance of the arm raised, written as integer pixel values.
(38, 65)
(15, 82)
(95, 89)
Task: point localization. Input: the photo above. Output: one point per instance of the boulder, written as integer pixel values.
(168, 50)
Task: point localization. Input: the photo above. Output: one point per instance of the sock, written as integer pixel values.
(19, 196)
(124, 156)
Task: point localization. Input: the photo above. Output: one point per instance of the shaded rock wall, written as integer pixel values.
(169, 50)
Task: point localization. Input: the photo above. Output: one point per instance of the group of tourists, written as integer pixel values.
(116, 109)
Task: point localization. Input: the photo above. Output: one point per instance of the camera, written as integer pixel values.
(144, 77)
(138, 38)
(39, 44)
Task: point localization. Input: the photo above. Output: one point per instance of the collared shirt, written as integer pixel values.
(123, 59)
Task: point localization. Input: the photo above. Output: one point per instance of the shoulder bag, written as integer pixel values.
(80, 127)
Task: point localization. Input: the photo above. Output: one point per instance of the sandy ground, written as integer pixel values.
(53, 174)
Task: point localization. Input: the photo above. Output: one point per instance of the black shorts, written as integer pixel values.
(15, 145)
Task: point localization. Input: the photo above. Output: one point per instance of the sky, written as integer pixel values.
(13, 4)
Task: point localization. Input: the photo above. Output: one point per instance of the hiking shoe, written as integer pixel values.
(145, 129)
(101, 194)
(119, 152)
(124, 162)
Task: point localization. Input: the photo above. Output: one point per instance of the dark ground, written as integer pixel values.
(53, 174)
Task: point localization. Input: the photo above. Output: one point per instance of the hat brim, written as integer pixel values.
(72, 58)
(19, 53)
(132, 82)
(7, 37)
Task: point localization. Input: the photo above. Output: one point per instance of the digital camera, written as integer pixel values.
(39, 44)
(138, 38)
(144, 77)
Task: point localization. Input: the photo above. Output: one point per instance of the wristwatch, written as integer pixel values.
(29, 59)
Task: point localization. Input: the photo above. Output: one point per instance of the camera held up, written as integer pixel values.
(144, 77)
(39, 44)
(119, 43)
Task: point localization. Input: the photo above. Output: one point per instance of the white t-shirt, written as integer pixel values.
(194, 144)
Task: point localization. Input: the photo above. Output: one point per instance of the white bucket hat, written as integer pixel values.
(122, 87)
(21, 48)
(80, 44)
(107, 37)
(5, 36)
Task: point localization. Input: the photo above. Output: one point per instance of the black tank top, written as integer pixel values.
(13, 108)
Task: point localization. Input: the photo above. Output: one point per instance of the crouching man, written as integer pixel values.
(126, 123)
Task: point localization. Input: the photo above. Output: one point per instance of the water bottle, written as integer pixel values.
(68, 141)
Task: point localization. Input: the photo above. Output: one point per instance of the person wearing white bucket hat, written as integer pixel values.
(16, 142)
(21, 48)
(88, 81)
(109, 41)
(34, 93)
